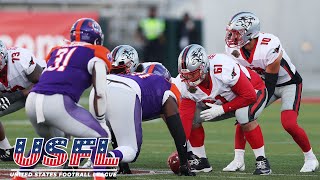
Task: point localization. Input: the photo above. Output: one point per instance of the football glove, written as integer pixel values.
(124, 168)
(211, 113)
(7, 99)
(4, 103)
(186, 171)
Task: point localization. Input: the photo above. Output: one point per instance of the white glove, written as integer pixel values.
(214, 111)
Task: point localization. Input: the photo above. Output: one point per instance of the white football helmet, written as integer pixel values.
(193, 64)
(241, 29)
(124, 59)
(3, 55)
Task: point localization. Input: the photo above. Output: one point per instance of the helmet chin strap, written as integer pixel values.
(96, 42)
(195, 83)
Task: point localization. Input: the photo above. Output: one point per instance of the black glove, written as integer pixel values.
(186, 171)
(124, 168)
(7, 99)
(4, 103)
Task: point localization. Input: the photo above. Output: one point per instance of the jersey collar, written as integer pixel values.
(248, 56)
(204, 89)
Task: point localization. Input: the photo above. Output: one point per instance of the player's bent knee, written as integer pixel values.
(288, 126)
(249, 126)
(129, 153)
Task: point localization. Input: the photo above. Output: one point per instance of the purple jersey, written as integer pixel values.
(152, 91)
(67, 72)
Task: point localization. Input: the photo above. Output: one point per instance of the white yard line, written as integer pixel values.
(17, 122)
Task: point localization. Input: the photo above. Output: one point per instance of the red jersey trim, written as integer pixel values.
(251, 54)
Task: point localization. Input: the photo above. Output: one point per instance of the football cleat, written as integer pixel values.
(262, 166)
(198, 164)
(310, 165)
(235, 166)
(6, 154)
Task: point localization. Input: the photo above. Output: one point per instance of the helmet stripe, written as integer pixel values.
(115, 51)
(78, 27)
(151, 67)
(184, 57)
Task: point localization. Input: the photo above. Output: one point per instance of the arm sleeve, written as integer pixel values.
(91, 64)
(100, 88)
(245, 92)
(271, 82)
(176, 130)
(187, 110)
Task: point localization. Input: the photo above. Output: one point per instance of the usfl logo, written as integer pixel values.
(53, 152)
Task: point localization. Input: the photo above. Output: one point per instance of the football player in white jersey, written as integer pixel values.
(224, 86)
(264, 53)
(19, 70)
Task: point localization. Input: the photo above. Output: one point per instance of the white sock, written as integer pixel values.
(4, 144)
(309, 155)
(239, 155)
(199, 151)
(259, 152)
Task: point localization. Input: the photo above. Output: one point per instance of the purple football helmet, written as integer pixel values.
(86, 30)
(158, 69)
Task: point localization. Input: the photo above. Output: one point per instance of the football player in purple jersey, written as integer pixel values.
(72, 68)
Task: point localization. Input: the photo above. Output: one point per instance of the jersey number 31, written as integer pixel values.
(62, 59)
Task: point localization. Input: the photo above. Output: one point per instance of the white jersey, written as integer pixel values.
(177, 81)
(224, 73)
(21, 63)
(266, 51)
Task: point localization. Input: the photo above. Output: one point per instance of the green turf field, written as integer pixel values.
(284, 155)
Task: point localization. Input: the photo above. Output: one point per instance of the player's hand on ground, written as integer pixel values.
(186, 171)
(4, 103)
(124, 168)
(211, 113)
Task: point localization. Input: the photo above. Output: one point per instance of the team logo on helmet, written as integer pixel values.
(95, 26)
(128, 54)
(196, 56)
(245, 22)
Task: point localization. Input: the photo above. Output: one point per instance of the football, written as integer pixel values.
(174, 162)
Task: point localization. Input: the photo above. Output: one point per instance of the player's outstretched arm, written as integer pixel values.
(99, 84)
(171, 113)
